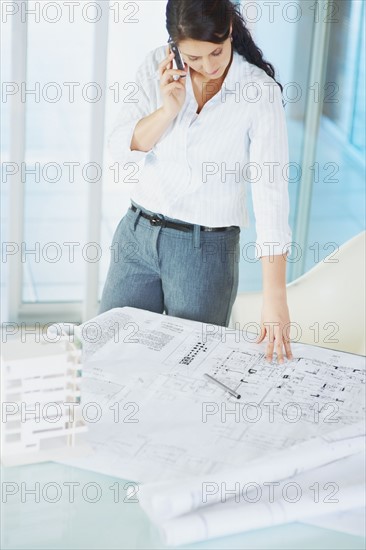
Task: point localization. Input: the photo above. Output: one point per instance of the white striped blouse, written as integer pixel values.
(198, 170)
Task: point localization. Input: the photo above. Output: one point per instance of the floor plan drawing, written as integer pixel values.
(173, 422)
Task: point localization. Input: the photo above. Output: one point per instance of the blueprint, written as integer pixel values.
(161, 419)
(334, 491)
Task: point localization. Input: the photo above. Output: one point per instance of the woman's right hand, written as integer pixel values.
(173, 91)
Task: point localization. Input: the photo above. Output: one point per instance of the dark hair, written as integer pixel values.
(209, 21)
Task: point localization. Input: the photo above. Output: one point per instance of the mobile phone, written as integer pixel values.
(177, 56)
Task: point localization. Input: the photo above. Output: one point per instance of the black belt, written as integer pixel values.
(155, 220)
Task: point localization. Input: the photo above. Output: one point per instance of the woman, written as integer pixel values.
(190, 137)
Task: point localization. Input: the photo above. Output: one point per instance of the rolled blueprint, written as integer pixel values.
(230, 518)
(165, 500)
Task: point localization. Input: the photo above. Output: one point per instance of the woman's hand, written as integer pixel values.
(275, 322)
(173, 91)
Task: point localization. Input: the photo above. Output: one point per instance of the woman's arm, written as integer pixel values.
(270, 155)
(274, 276)
(275, 315)
(149, 130)
(140, 124)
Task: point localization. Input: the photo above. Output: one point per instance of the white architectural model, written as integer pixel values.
(41, 412)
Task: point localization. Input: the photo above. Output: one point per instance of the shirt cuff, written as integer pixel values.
(272, 248)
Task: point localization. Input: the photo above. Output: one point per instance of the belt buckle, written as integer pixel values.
(155, 221)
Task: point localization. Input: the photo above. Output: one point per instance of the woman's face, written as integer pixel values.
(207, 58)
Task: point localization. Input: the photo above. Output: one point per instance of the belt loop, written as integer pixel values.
(137, 215)
(196, 236)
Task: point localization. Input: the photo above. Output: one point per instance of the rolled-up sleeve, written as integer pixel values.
(137, 104)
(269, 165)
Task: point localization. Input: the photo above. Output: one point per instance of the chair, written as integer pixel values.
(327, 302)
